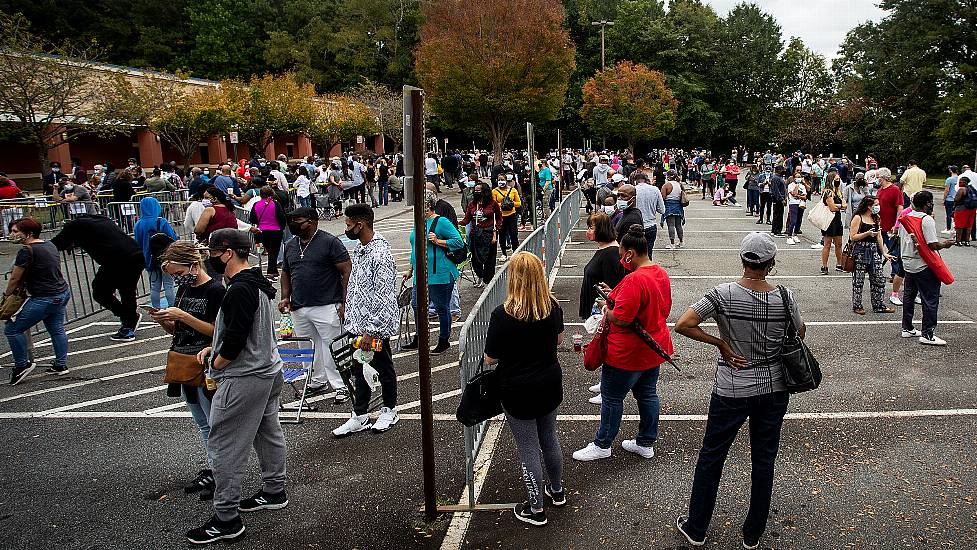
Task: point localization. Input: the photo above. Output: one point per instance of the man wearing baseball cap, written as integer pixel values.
(246, 366)
(751, 316)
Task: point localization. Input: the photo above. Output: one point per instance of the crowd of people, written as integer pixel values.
(221, 312)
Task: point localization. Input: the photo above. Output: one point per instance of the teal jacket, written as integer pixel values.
(440, 270)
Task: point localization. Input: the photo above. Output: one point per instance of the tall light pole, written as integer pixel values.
(602, 24)
(973, 132)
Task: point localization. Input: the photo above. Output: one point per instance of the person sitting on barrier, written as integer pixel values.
(191, 322)
(120, 265)
(372, 313)
(218, 213)
(150, 225)
(37, 268)
(244, 362)
(645, 296)
(522, 340)
(441, 236)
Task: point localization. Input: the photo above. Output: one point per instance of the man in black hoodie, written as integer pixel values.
(246, 366)
(120, 266)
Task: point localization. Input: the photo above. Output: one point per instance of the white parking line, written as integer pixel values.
(731, 277)
(102, 400)
(113, 346)
(82, 383)
(47, 341)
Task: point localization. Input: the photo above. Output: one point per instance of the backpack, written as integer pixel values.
(507, 204)
(970, 201)
(457, 257)
(158, 241)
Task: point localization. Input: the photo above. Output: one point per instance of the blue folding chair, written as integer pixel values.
(298, 355)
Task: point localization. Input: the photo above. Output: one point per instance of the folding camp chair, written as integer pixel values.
(298, 355)
(406, 314)
(342, 352)
(465, 269)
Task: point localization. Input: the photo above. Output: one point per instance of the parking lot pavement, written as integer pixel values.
(98, 458)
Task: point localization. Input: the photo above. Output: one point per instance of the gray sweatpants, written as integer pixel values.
(245, 413)
(530, 436)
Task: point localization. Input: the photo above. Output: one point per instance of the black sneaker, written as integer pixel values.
(124, 335)
(19, 373)
(839, 269)
(312, 389)
(56, 371)
(342, 396)
(215, 530)
(751, 543)
(824, 270)
(442, 347)
(558, 498)
(264, 501)
(203, 482)
(680, 525)
(524, 512)
(410, 345)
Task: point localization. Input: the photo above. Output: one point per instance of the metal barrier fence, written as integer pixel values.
(545, 242)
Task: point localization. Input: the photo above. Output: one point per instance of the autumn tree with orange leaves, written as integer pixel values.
(493, 65)
(629, 101)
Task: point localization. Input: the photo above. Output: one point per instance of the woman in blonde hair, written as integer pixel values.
(191, 322)
(522, 338)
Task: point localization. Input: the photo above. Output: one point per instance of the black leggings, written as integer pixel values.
(483, 253)
(509, 236)
(765, 205)
(383, 363)
(272, 241)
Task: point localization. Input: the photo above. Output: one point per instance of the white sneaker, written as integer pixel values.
(353, 425)
(911, 333)
(596, 400)
(669, 246)
(790, 240)
(932, 341)
(797, 240)
(595, 388)
(479, 284)
(680, 245)
(947, 232)
(816, 247)
(388, 417)
(919, 300)
(632, 446)
(894, 298)
(591, 452)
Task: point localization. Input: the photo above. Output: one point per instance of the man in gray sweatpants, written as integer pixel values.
(244, 362)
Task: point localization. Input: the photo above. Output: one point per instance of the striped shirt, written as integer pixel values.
(753, 323)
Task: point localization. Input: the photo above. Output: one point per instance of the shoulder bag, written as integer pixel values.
(183, 368)
(480, 399)
(821, 216)
(848, 257)
(11, 303)
(801, 370)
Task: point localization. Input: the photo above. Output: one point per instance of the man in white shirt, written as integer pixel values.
(431, 171)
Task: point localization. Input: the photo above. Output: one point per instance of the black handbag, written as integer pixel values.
(801, 370)
(480, 400)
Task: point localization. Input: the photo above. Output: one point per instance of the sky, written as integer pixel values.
(821, 24)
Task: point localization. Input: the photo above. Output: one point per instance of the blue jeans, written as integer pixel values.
(753, 199)
(304, 202)
(455, 306)
(200, 411)
(384, 192)
(794, 219)
(896, 265)
(50, 310)
(615, 384)
(441, 297)
(726, 416)
(157, 280)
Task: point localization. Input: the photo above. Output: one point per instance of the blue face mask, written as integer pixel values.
(622, 204)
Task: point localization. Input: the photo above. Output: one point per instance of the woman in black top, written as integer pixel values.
(867, 250)
(522, 338)
(604, 267)
(486, 218)
(37, 269)
(835, 202)
(191, 322)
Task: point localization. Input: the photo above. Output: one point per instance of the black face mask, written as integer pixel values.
(351, 235)
(295, 228)
(477, 195)
(217, 264)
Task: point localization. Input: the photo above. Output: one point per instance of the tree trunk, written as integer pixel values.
(499, 133)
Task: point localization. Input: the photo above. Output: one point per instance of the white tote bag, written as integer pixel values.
(821, 216)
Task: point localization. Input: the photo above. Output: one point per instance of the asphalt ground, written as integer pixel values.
(881, 456)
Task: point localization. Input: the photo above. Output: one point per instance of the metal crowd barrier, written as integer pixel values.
(546, 243)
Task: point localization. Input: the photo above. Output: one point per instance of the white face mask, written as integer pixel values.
(608, 209)
(876, 209)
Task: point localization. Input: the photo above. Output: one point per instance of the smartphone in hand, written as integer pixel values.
(149, 309)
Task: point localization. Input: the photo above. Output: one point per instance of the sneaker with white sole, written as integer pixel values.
(913, 333)
(215, 530)
(669, 246)
(524, 512)
(894, 298)
(596, 400)
(632, 446)
(680, 245)
(558, 498)
(353, 425)
(680, 525)
(816, 246)
(790, 241)
(933, 340)
(264, 501)
(591, 452)
(388, 417)
(752, 544)
(918, 300)
(18, 374)
(595, 388)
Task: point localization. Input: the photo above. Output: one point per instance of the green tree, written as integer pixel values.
(387, 107)
(629, 101)
(228, 36)
(269, 105)
(515, 81)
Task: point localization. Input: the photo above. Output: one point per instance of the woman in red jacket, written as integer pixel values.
(645, 296)
(731, 175)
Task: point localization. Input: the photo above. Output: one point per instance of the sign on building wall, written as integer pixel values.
(233, 137)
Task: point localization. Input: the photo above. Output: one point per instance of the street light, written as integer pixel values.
(972, 132)
(602, 24)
